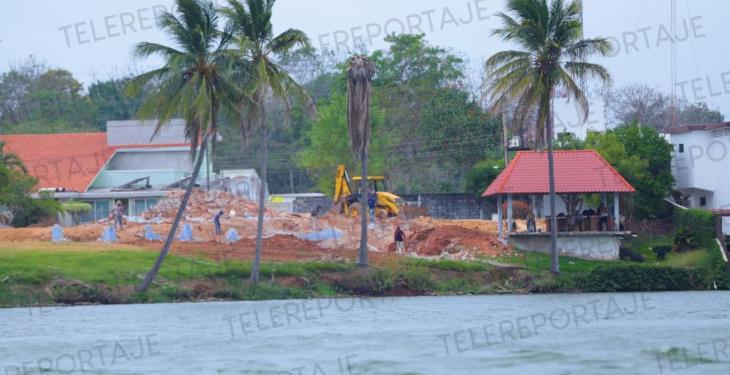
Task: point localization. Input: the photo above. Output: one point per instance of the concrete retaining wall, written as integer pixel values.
(585, 245)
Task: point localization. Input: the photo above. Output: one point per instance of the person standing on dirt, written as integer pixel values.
(371, 205)
(118, 215)
(217, 222)
(399, 237)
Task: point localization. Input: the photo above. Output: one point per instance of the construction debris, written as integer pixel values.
(293, 233)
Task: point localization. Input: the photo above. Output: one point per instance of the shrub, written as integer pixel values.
(662, 251)
(639, 278)
(417, 280)
(695, 229)
(369, 281)
(628, 254)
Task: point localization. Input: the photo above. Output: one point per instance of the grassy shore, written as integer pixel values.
(34, 274)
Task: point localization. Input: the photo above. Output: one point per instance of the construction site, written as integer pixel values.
(287, 236)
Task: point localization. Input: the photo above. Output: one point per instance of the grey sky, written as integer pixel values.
(63, 34)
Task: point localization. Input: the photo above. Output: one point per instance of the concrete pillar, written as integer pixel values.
(616, 212)
(500, 228)
(509, 213)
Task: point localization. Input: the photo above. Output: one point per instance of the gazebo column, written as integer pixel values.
(500, 226)
(604, 199)
(509, 213)
(616, 212)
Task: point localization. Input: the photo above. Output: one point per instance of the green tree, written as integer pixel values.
(111, 103)
(16, 186)
(329, 144)
(482, 174)
(643, 157)
(194, 83)
(265, 78)
(553, 56)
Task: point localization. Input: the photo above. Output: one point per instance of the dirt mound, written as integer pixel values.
(454, 239)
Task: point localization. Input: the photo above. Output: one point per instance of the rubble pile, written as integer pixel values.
(202, 206)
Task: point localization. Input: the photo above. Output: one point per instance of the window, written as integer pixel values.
(99, 211)
(681, 147)
(142, 205)
(703, 202)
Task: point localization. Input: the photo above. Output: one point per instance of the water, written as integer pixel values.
(651, 333)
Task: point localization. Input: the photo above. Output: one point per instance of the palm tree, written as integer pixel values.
(250, 22)
(360, 73)
(11, 160)
(193, 83)
(553, 56)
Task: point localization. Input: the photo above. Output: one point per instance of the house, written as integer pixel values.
(125, 164)
(700, 165)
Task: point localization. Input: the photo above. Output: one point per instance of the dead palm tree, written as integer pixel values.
(250, 22)
(360, 73)
(553, 56)
(193, 84)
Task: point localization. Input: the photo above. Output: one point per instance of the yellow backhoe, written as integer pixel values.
(347, 195)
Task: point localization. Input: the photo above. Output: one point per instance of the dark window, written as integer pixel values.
(681, 147)
(703, 202)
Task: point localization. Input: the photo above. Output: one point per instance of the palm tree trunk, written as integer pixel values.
(362, 258)
(262, 197)
(555, 265)
(183, 205)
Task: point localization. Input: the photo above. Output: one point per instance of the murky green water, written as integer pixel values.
(651, 333)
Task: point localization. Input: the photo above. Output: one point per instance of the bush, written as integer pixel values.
(639, 278)
(628, 254)
(695, 229)
(417, 280)
(662, 251)
(369, 281)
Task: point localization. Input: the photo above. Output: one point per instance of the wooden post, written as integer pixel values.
(616, 212)
(509, 213)
(500, 226)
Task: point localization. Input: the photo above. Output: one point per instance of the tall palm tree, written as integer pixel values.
(250, 22)
(360, 73)
(552, 56)
(193, 84)
(11, 160)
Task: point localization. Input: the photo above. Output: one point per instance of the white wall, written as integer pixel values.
(703, 169)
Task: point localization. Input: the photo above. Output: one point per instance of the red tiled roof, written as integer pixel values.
(581, 171)
(69, 161)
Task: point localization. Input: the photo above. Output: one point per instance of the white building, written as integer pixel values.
(701, 166)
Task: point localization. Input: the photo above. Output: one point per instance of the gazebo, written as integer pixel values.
(577, 173)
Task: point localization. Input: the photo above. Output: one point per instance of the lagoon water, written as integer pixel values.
(643, 333)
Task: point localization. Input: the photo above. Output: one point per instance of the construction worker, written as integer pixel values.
(371, 205)
(118, 215)
(399, 237)
(217, 222)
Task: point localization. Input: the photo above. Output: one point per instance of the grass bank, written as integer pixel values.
(34, 274)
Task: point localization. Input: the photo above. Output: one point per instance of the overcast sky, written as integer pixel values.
(94, 38)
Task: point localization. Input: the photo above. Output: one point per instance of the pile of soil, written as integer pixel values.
(453, 239)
